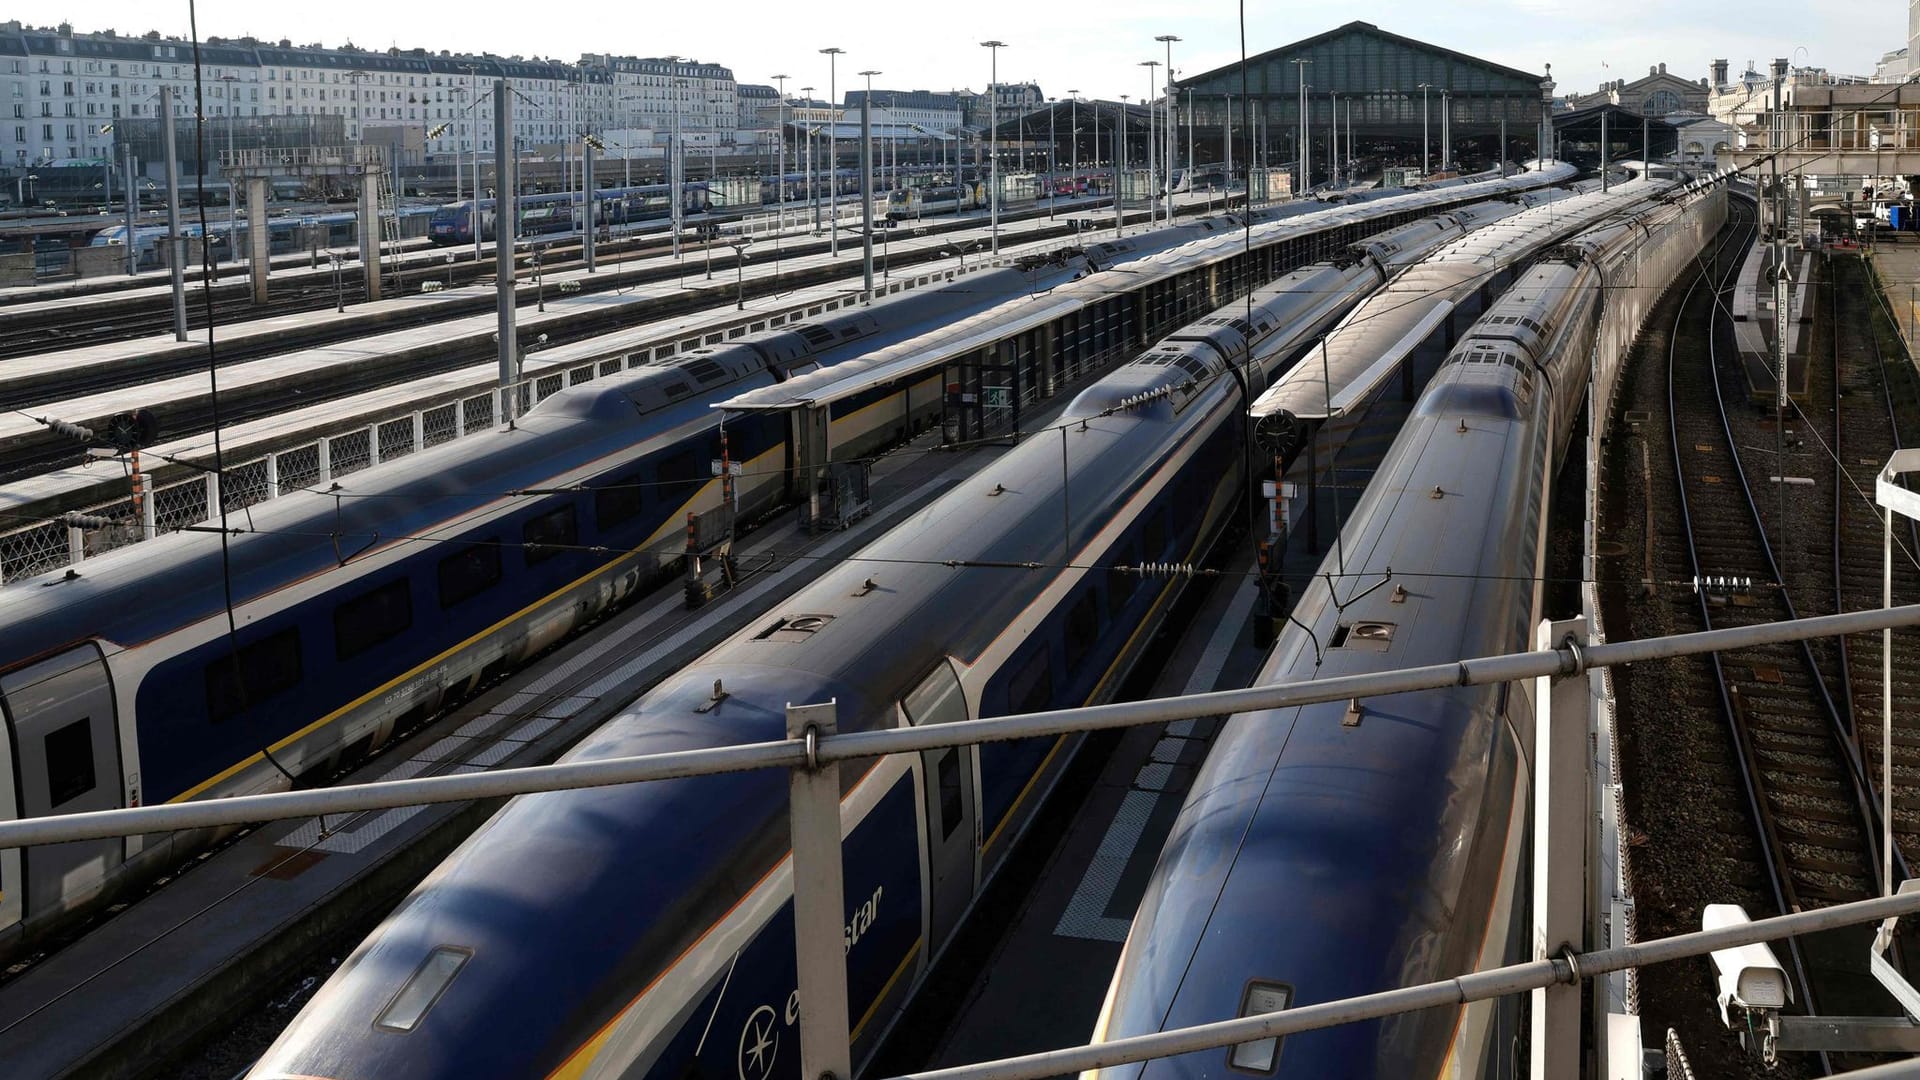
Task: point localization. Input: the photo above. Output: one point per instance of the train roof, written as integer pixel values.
(1375, 337)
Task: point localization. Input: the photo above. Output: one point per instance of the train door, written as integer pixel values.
(66, 760)
(951, 802)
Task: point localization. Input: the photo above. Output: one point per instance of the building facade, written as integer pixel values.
(62, 90)
(937, 112)
(1398, 97)
(1659, 94)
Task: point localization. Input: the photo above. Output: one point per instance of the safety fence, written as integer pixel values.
(814, 749)
(189, 492)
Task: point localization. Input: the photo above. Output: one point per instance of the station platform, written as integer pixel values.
(1897, 264)
(190, 958)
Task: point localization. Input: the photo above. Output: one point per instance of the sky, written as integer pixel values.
(1094, 48)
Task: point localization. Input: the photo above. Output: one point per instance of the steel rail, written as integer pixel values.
(1779, 877)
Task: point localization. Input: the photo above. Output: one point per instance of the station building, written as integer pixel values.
(1389, 90)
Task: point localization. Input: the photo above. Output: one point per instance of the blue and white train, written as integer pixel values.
(1335, 850)
(366, 608)
(647, 930)
(560, 211)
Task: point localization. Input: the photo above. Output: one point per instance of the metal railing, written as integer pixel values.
(812, 753)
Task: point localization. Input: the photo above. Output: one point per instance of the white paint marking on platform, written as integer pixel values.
(1086, 916)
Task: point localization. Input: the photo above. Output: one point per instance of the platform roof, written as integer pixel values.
(1361, 58)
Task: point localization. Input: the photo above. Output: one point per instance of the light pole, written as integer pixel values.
(233, 202)
(1190, 119)
(1333, 139)
(1446, 130)
(1172, 138)
(812, 197)
(780, 185)
(1153, 189)
(1120, 168)
(866, 131)
(833, 180)
(739, 247)
(993, 141)
(1073, 121)
(473, 75)
(1306, 159)
(675, 165)
(1426, 153)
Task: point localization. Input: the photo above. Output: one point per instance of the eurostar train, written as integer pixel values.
(1347, 848)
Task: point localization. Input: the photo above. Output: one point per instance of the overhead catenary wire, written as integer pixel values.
(235, 668)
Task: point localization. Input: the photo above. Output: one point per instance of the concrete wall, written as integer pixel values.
(16, 269)
(99, 261)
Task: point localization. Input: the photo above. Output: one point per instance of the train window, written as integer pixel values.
(1120, 586)
(549, 534)
(1031, 688)
(677, 478)
(1260, 1055)
(265, 668)
(619, 503)
(371, 618)
(69, 754)
(1153, 536)
(469, 571)
(952, 806)
(422, 989)
(1083, 626)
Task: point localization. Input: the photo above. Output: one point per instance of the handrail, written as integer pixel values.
(1478, 986)
(796, 753)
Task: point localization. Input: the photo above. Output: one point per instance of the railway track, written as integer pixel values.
(1754, 773)
(75, 327)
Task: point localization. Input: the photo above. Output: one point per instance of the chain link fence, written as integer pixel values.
(50, 545)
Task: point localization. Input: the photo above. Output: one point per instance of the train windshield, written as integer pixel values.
(899, 198)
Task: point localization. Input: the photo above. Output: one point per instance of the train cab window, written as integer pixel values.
(549, 534)
(1261, 1055)
(371, 618)
(619, 503)
(69, 755)
(952, 804)
(469, 571)
(1083, 626)
(265, 668)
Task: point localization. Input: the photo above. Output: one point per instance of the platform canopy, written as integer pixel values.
(1579, 132)
(1377, 77)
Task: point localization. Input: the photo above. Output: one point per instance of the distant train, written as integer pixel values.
(910, 204)
(284, 234)
(560, 211)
